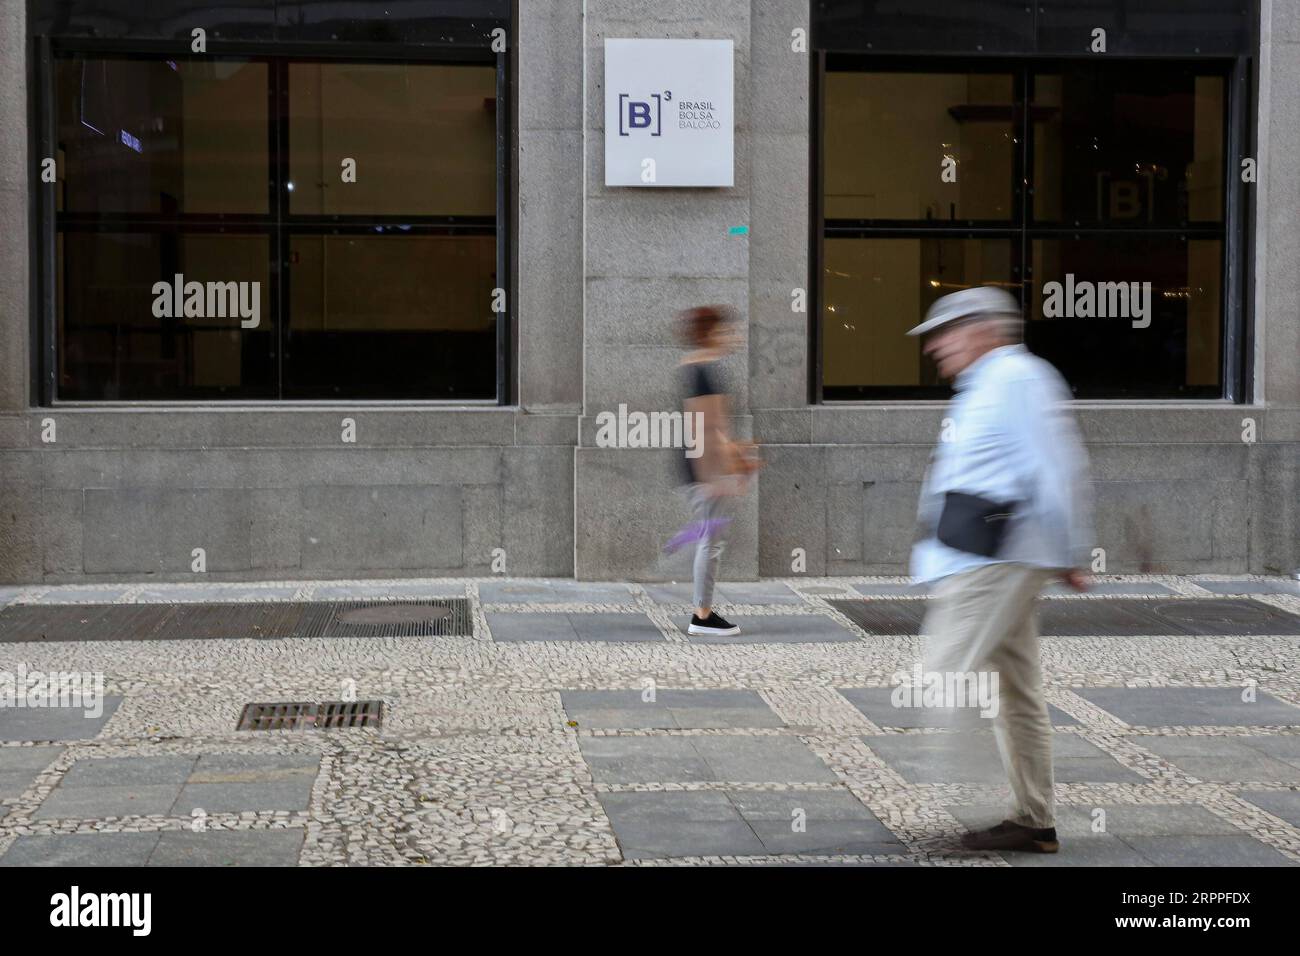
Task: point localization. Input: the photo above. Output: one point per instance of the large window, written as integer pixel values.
(273, 228)
(1093, 191)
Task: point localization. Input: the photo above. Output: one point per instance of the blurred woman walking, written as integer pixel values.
(717, 467)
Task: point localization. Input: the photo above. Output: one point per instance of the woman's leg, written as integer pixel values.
(708, 551)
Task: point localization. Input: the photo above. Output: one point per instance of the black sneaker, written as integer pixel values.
(1013, 837)
(711, 625)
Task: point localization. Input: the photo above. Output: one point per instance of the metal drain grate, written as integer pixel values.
(443, 617)
(882, 616)
(1107, 617)
(393, 614)
(304, 715)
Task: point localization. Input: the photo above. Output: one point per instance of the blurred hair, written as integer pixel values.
(1009, 327)
(694, 326)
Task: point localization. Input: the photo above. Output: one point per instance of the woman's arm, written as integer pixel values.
(720, 454)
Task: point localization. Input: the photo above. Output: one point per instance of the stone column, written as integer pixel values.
(650, 252)
(1275, 462)
(549, 247)
(15, 314)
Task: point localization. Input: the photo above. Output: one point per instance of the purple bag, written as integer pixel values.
(694, 532)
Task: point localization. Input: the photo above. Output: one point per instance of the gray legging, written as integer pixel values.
(708, 552)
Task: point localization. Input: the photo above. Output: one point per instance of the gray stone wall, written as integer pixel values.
(1176, 488)
(272, 492)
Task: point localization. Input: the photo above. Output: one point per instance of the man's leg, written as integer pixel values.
(981, 622)
(1023, 726)
(971, 613)
(954, 635)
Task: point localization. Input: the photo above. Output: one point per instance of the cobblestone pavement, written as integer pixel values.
(578, 724)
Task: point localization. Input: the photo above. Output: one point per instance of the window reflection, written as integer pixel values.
(391, 316)
(1172, 350)
(1126, 168)
(162, 136)
(874, 291)
(1128, 146)
(889, 137)
(113, 345)
(424, 138)
(170, 168)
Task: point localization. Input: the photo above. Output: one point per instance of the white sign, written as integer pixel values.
(669, 113)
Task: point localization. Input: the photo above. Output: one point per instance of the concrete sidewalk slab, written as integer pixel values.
(219, 848)
(671, 709)
(81, 849)
(55, 723)
(1191, 706)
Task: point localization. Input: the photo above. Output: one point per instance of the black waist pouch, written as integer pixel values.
(973, 524)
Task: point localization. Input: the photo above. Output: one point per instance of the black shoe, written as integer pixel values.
(712, 625)
(1012, 837)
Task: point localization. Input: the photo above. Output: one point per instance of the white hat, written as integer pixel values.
(977, 300)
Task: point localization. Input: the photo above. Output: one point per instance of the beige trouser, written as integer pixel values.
(984, 620)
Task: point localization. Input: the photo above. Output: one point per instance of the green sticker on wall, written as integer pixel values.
(739, 230)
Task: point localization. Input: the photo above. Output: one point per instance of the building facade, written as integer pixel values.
(310, 288)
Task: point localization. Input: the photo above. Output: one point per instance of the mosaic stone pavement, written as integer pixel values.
(578, 724)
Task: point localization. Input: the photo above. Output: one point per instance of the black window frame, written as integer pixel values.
(1234, 231)
(277, 223)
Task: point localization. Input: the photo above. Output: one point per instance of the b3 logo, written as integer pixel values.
(642, 114)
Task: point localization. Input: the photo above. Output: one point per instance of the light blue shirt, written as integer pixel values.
(1009, 435)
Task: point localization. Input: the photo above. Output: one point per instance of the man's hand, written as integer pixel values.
(1075, 579)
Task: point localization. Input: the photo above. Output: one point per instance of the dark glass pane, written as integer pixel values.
(455, 23)
(1128, 145)
(382, 316)
(423, 139)
(890, 135)
(877, 289)
(153, 19)
(1113, 354)
(1147, 27)
(1134, 27)
(162, 136)
(114, 344)
(890, 26)
(458, 23)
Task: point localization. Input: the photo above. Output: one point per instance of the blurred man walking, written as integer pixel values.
(1004, 508)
